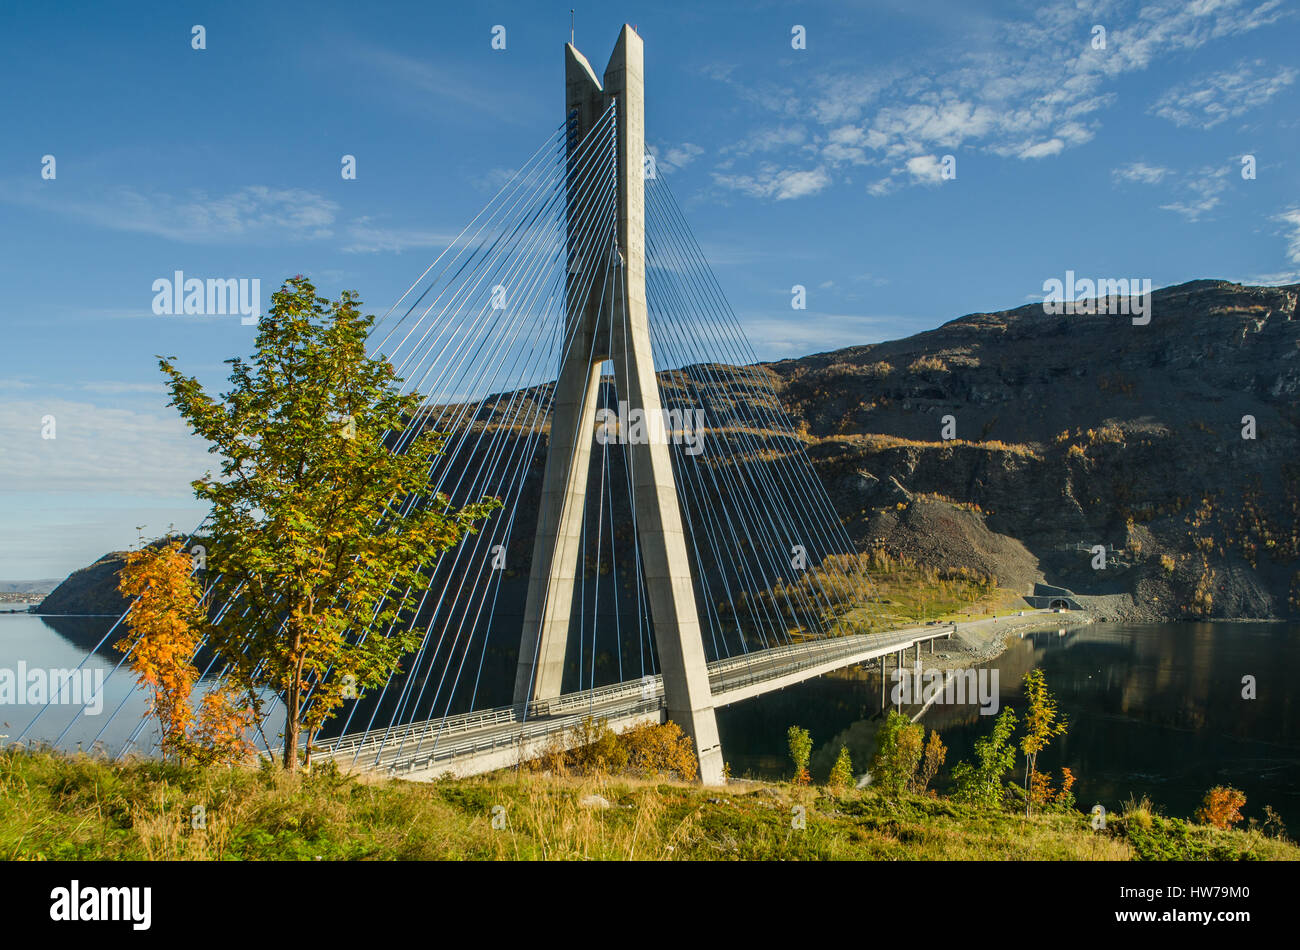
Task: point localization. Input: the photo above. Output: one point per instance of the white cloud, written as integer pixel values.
(97, 450)
(926, 169)
(675, 157)
(1042, 149)
(1034, 90)
(1209, 100)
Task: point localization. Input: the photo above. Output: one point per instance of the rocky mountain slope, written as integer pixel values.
(1174, 443)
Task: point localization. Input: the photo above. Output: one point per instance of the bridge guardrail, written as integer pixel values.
(540, 729)
(720, 670)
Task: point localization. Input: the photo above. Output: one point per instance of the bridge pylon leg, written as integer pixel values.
(626, 344)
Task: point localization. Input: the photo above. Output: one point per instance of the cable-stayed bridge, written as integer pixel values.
(663, 546)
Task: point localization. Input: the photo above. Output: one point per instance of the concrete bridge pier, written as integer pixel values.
(617, 330)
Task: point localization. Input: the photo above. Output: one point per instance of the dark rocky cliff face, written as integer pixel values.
(1078, 430)
(1070, 431)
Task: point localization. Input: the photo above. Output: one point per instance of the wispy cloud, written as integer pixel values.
(253, 214)
(1200, 191)
(257, 213)
(438, 88)
(1193, 194)
(1289, 220)
(1140, 173)
(113, 388)
(777, 336)
(771, 181)
(675, 157)
(365, 236)
(97, 449)
(1209, 100)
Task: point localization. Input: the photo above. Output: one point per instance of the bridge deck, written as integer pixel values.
(482, 741)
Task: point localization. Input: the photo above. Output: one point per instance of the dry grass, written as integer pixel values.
(64, 807)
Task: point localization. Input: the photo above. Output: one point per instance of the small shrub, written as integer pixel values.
(842, 771)
(1221, 807)
(653, 749)
(898, 753)
(928, 363)
(800, 752)
(982, 783)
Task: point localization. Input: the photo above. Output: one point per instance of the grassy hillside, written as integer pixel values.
(75, 807)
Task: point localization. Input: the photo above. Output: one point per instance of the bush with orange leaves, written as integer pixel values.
(164, 629)
(1043, 795)
(1221, 807)
(1065, 797)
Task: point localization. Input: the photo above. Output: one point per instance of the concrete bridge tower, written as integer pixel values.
(625, 341)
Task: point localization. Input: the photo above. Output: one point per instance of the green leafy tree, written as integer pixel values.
(318, 523)
(842, 771)
(800, 752)
(995, 756)
(1041, 725)
(898, 752)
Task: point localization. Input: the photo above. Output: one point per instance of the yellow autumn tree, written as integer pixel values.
(1043, 722)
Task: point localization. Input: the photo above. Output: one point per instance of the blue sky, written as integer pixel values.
(816, 166)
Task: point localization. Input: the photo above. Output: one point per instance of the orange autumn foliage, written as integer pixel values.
(164, 630)
(1067, 783)
(1040, 788)
(163, 626)
(218, 737)
(1221, 807)
(1042, 794)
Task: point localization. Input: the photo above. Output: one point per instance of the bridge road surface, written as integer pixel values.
(478, 742)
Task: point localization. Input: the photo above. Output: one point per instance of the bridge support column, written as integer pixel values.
(625, 342)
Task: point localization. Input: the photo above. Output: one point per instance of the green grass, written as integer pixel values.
(54, 806)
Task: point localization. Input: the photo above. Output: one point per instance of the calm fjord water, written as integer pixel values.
(1154, 709)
